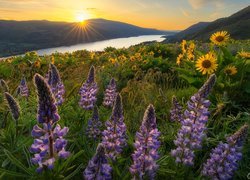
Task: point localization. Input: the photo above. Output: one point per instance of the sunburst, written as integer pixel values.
(82, 16)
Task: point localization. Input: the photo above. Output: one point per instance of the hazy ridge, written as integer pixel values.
(20, 36)
(237, 25)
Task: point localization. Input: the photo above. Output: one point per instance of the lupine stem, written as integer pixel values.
(51, 141)
(16, 128)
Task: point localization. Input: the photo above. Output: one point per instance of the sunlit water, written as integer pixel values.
(101, 45)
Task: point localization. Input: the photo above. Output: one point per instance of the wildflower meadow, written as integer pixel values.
(150, 111)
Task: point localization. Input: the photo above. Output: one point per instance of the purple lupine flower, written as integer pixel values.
(23, 88)
(13, 106)
(146, 147)
(176, 111)
(94, 125)
(191, 133)
(49, 143)
(114, 137)
(98, 167)
(88, 91)
(223, 161)
(110, 94)
(55, 83)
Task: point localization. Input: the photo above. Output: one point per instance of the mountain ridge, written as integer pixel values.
(238, 25)
(17, 37)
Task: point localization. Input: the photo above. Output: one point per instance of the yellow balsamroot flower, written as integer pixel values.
(122, 58)
(37, 63)
(206, 64)
(220, 38)
(138, 56)
(151, 53)
(112, 60)
(213, 54)
(9, 61)
(191, 47)
(190, 51)
(52, 60)
(184, 46)
(132, 58)
(141, 49)
(230, 70)
(134, 67)
(244, 54)
(190, 56)
(179, 59)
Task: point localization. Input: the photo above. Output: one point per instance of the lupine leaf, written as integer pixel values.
(12, 173)
(16, 162)
(70, 159)
(70, 176)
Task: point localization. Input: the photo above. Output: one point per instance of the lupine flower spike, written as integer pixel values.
(110, 94)
(98, 167)
(114, 137)
(94, 125)
(49, 143)
(4, 86)
(88, 91)
(23, 88)
(56, 85)
(191, 133)
(176, 111)
(223, 160)
(146, 147)
(14, 108)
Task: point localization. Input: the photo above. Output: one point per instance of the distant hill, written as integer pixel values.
(238, 25)
(20, 36)
(188, 32)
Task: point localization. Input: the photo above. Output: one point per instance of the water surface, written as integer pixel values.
(101, 45)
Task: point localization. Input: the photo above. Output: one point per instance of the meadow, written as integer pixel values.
(186, 105)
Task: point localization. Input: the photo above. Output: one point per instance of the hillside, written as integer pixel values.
(189, 31)
(140, 75)
(20, 36)
(237, 25)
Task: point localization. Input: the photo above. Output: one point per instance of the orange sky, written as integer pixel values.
(160, 14)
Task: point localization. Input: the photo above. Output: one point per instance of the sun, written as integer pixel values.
(81, 17)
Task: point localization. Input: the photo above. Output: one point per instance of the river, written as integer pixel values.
(101, 45)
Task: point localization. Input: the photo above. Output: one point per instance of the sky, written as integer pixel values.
(159, 14)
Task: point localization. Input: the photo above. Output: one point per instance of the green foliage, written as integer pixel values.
(145, 74)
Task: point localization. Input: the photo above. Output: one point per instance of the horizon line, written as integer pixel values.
(25, 20)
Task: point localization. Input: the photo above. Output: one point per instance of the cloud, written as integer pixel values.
(2, 10)
(197, 4)
(185, 13)
(20, 1)
(91, 9)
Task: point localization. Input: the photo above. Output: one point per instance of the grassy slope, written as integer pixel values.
(140, 83)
